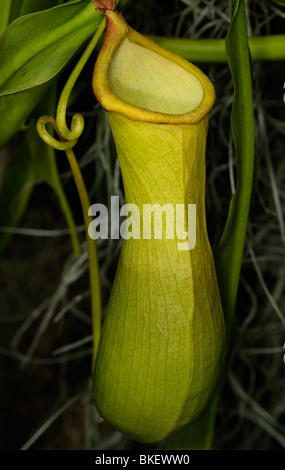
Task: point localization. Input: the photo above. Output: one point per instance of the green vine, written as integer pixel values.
(262, 48)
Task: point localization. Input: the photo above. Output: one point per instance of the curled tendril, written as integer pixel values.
(77, 127)
(68, 137)
(49, 139)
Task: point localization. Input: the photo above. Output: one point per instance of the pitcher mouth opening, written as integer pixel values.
(136, 77)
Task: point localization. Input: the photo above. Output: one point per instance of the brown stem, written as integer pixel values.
(104, 5)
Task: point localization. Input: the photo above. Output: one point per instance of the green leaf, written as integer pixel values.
(5, 14)
(229, 253)
(23, 7)
(15, 10)
(14, 110)
(15, 191)
(16, 107)
(62, 30)
(35, 47)
(31, 6)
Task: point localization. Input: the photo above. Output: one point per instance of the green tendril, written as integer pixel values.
(48, 138)
(67, 139)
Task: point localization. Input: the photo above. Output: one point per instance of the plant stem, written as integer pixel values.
(69, 220)
(262, 48)
(72, 135)
(92, 252)
(77, 120)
